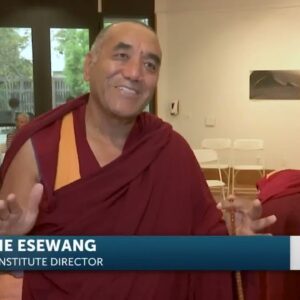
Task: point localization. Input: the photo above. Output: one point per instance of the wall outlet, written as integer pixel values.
(174, 109)
(210, 121)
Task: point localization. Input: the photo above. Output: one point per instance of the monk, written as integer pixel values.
(98, 165)
(279, 193)
(21, 120)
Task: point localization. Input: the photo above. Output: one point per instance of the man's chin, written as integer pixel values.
(127, 115)
(128, 112)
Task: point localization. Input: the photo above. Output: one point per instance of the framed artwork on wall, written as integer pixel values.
(275, 84)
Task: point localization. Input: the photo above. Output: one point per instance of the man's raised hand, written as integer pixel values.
(15, 220)
(247, 218)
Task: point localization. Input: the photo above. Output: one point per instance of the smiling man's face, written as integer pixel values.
(124, 73)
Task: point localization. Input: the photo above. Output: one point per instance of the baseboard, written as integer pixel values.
(244, 178)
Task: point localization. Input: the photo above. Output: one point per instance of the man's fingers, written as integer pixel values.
(33, 207)
(35, 198)
(4, 212)
(232, 203)
(13, 205)
(219, 206)
(262, 223)
(256, 210)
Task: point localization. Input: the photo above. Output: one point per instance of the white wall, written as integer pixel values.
(209, 50)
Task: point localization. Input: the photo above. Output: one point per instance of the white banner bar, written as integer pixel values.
(295, 253)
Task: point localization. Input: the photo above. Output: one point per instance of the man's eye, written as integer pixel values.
(150, 66)
(121, 56)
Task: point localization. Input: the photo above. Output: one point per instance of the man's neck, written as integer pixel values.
(103, 126)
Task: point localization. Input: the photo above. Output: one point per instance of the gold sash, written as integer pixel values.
(67, 169)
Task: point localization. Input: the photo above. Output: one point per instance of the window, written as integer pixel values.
(68, 49)
(16, 78)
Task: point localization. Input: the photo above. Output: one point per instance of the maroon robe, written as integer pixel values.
(280, 195)
(154, 188)
(279, 184)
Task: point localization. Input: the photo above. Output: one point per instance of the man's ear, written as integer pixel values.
(88, 61)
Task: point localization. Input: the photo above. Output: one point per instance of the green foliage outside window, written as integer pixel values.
(12, 65)
(14, 68)
(74, 44)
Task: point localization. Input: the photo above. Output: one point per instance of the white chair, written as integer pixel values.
(223, 148)
(207, 156)
(247, 155)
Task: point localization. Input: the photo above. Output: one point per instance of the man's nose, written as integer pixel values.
(133, 69)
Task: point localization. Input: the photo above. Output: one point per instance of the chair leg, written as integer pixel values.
(233, 181)
(228, 182)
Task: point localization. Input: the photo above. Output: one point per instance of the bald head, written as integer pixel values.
(119, 28)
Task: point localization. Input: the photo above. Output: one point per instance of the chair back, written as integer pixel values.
(248, 144)
(206, 155)
(247, 155)
(248, 152)
(216, 143)
(209, 158)
(223, 148)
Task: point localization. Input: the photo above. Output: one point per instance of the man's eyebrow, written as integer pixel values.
(125, 46)
(122, 46)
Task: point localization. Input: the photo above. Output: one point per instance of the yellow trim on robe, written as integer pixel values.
(67, 169)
